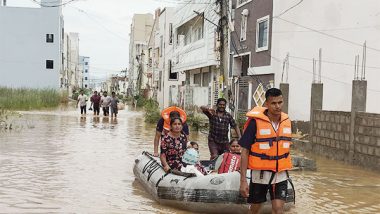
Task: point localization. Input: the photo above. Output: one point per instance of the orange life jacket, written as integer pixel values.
(165, 114)
(230, 163)
(270, 151)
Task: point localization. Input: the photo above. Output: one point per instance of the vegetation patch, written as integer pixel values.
(152, 111)
(197, 121)
(6, 119)
(28, 99)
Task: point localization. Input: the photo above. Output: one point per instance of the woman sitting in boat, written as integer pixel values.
(191, 164)
(229, 161)
(173, 146)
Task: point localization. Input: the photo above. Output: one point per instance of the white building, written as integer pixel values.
(195, 52)
(165, 81)
(339, 28)
(31, 46)
(84, 62)
(141, 29)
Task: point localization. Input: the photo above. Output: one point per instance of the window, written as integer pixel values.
(262, 34)
(49, 38)
(243, 28)
(159, 80)
(85, 78)
(86, 71)
(188, 37)
(198, 33)
(206, 79)
(242, 2)
(49, 64)
(244, 65)
(259, 95)
(86, 63)
(172, 76)
(85, 85)
(197, 79)
(170, 33)
(161, 44)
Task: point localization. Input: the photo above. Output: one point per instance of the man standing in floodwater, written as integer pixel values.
(265, 150)
(82, 99)
(220, 121)
(95, 102)
(105, 102)
(113, 104)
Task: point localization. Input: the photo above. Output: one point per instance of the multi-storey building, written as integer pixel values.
(141, 29)
(71, 75)
(196, 47)
(31, 45)
(166, 83)
(84, 62)
(250, 48)
(276, 42)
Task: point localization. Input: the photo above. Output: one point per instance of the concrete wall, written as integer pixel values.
(331, 137)
(367, 139)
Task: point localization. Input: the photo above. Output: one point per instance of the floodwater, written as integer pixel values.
(63, 163)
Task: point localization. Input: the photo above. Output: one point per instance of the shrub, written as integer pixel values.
(152, 111)
(26, 99)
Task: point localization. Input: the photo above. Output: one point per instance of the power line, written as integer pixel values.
(310, 72)
(328, 35)
(292, 7)
(180, 2)
(332, 62)
(57, 5)
(100, 24)
(327, 30)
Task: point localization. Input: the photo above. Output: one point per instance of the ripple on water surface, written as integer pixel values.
(64, 163)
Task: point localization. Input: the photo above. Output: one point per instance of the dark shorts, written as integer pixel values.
(113, 110)
(216, 149)
(258, 192)
(106, 111)
(83, 109)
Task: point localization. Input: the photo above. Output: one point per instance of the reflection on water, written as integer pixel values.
(73, 164)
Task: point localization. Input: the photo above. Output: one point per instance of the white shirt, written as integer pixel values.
(105, 101)
(278, 177)
(82, 99)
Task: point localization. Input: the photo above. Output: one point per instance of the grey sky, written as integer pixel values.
(103, 27)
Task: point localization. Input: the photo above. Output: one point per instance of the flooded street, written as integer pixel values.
(64, 163)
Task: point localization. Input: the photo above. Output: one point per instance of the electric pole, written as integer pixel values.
(223, 49)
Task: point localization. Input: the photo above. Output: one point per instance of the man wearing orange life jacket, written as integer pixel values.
(265, 150)
(163, 125)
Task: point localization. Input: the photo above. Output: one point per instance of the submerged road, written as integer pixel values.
(63, 163)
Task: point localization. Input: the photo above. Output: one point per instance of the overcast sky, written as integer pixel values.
(103, 27)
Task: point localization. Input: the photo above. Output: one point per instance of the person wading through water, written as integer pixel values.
(220, 121)
(265, 150)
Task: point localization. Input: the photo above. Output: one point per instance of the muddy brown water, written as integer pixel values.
(60, 162)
